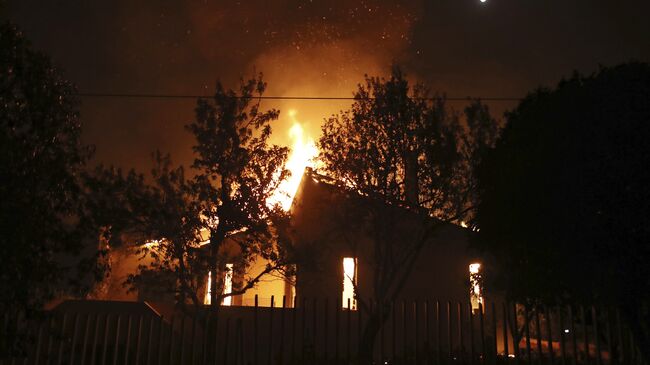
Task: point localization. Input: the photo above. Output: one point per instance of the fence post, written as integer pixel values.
(204, 340)
(619, 329)
(471, 333)
(337, 311)
(270, 339)
(427, 334)
(325, 329)
(459, 310)
(128, 341)
(549, 334)
(538, 329)
(284, 308)
(95, 339)
(193, 338)
(74, 338)
(574, 340)
(394, 328)
(482, 329)
(294, 315)
(107, 323)
(303, 324)
(450, 349)
(314, 311)
(182, 354)
(404, 331)
(226, 341)
(527, 333)
(594, 318)
(506, 351)
(438, 335)
(138, 341)
(494, 333)
(50, 340)
(583, 317)
(349, 331)
(84, 345)
(255, 324)
(562, 337)
(416, 325)
(160, 339)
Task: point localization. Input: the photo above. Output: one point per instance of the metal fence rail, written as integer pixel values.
(320, 331)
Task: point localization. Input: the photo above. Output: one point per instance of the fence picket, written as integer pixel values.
(171, 341)
(416, 323)
(527, 333)
(538, 331)
(594, 319)
(282, 314)
(255, 330)
(506, 353)
(325, 329)
(574, 340)
(270, 340)
(459, 317)
(95, 338)
(549, 334)
(348, 331)
(117, 340)
(160, 339)
(585, 334)
(495, 348)
(471, 333)
(74, 338)
(583, 318)
(482, 332)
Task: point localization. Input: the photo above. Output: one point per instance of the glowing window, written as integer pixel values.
(476, 292)
(208, 290)
(349, 281)
(227, 285)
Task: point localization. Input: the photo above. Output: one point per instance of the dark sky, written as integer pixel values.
(315, 48)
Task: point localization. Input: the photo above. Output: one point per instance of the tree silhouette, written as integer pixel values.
(41, 158)
(190, 228)
(564, 195)
(402, 155)
(237, 173)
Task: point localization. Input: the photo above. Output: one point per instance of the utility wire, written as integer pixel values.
(189, 96)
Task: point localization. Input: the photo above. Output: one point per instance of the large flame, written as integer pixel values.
(303, 154)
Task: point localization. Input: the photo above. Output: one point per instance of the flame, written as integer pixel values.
(303, 153)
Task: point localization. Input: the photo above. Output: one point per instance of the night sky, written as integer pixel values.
(500, 48)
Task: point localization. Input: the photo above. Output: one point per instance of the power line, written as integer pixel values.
(196, 96)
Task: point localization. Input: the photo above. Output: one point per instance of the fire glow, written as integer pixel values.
(303, 153)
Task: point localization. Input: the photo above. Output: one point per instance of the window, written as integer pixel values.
(349, 282)
(208, 290)
(475, 292)
(227, 285)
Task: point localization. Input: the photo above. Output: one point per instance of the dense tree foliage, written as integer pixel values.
(564, 196)
(188, 228)
(41, 158)
(406, 155)
(237, 171)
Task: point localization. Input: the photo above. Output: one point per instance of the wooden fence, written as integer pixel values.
(320, 331)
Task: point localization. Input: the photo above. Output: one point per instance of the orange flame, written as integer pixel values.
(303, 153)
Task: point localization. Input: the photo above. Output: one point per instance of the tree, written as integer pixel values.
(162, 218)
(188, 227)
(564, 195)
(41, 158)
(237, 173)
(398, 152)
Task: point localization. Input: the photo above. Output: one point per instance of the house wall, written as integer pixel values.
(325, 232)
